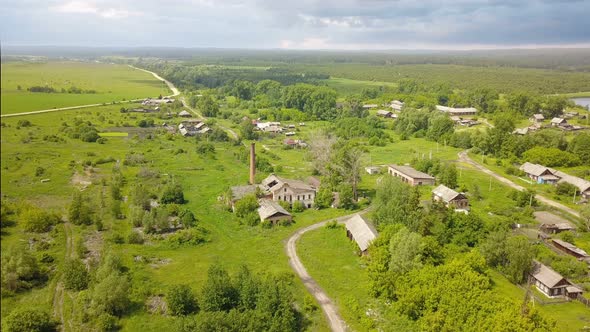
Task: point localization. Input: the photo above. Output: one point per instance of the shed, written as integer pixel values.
(273, 212)
(361, 231)
(570, 249)
(373, 170)
(558, 122)
(184, 114)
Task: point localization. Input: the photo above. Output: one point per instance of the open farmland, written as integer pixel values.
(109, 82)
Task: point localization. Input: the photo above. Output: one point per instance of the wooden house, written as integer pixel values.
(551, 223)
(457, 111)
(409, 175)
(384, 114)
(539, 173)
(361, 231)
(450, 197)
(570, 249)
(396, 105)
(273, 212)
(537, 118)
(558, 122)
(551, 283)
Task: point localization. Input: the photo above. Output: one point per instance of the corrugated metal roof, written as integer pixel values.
(362, 231)
(571, 247)
(534, 169)
(445, 193)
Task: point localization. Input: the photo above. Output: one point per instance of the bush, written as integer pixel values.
(205, 148)
(37, 220)
(298, 207)
(24, 123)
(187, 237)
(566, 189)
(29, 320)
(135, 238)
(181, 301)
(106, 323)
(187, 218)
(246, 205)
(75, 275)
(173, 194)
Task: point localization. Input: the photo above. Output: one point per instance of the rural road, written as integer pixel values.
(327, 305)
(171, 86)
(465, 158)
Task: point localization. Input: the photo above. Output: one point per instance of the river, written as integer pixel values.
(584, 102)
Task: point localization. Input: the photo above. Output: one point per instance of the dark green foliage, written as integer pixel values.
(75, 275)
(29, 320)
(246, 205)
(111, 294)
(79, 212)
(551, 157)
(106, 323)
(397, 203)
(580, 146)
(218, 293)
(181, 301)
(187, 218)
(324, 198)
(208, 106)
(448, 176)
(205, 148)
(440, 127)
(524, 198)
(346, 196)
(566, 189)
(187, 237)
(145, 123)
(173, 194)
(20, 270)
(36, 220)
(513, 255)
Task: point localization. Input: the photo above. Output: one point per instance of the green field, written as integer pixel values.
(347, 86)
(111, 83)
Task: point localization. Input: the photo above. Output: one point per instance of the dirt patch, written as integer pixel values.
(156, 305)
(154, 262)
(94, 243)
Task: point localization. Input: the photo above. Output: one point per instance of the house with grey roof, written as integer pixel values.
(384, 113)
(450, 197)
(290, 190)
(409, 175)
(457, 111)
(273, 212)
(537, 118)
(539, 173)
(551, 283)
(583, 185)
(571, 249)
(396, 105)
(361, 231)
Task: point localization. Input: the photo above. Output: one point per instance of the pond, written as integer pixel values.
(584, 101)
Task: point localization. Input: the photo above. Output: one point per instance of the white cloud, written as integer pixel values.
(89, 7)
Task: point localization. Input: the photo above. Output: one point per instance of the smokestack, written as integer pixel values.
(252, 163)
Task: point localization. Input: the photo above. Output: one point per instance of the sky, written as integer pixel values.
(298, 24)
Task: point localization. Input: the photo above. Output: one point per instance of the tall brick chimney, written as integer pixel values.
(253, 163)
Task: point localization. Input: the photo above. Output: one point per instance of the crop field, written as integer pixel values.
(110, 83)
(347, 86)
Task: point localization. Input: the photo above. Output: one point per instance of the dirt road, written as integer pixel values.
(327, 305)
(465, 158)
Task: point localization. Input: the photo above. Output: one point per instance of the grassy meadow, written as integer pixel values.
(112, 82)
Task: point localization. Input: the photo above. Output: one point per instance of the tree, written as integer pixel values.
(448, 176)
(520, 256)
(111, 295)
(346, 196)
(246, 205)
(173, 194)
(347, 162)
(181, 301)
(247, 130)
(580, 146)
(140, 196)
(397, 203)
(79, 212)
(320, 147)
(585, 214)
(324, 198)
(187, 218)
(566, 189)
(29, 320)
(75, 275)
(551, 157)
(208, 106)
(36, 220)
(20, 270)
(218, 293)
(440, 127)
(405, 252)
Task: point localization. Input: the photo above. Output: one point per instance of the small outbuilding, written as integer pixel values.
(184, 114)
(537, 118)
(273, 212)
(373, 170)
(450, 197)
(361, 231)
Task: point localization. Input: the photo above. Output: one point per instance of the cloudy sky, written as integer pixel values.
(298, 24)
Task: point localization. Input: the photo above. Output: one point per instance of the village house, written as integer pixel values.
(239, 192)
(384, 114)
(571, 250)
(192, 127)
(291, 191)
(295, 143)
(396, 105)
(361, 231)
(450, 197)
(538, 173)
(521, 131)
(551, 223)
(272, 212)
(409, 175)
(184, 114)
(558, 122)
(264, 125)
(551, 283)
(537, 118)
(583, 185)
(373, 170)
(143, 110)
(370, 106)
(156, 102)
(457, 111)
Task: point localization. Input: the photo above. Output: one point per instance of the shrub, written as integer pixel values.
(24, 123)
(566, 189)
(37, 220)
(187, 218)
(20, 270)
(106, 323)
(75, 275)
(181, 301)
(189, 237)
(135, 238)
(204, 148)
(298, 207)
(173, 194)
(39, 171)
(29, 320)
(246, 205)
